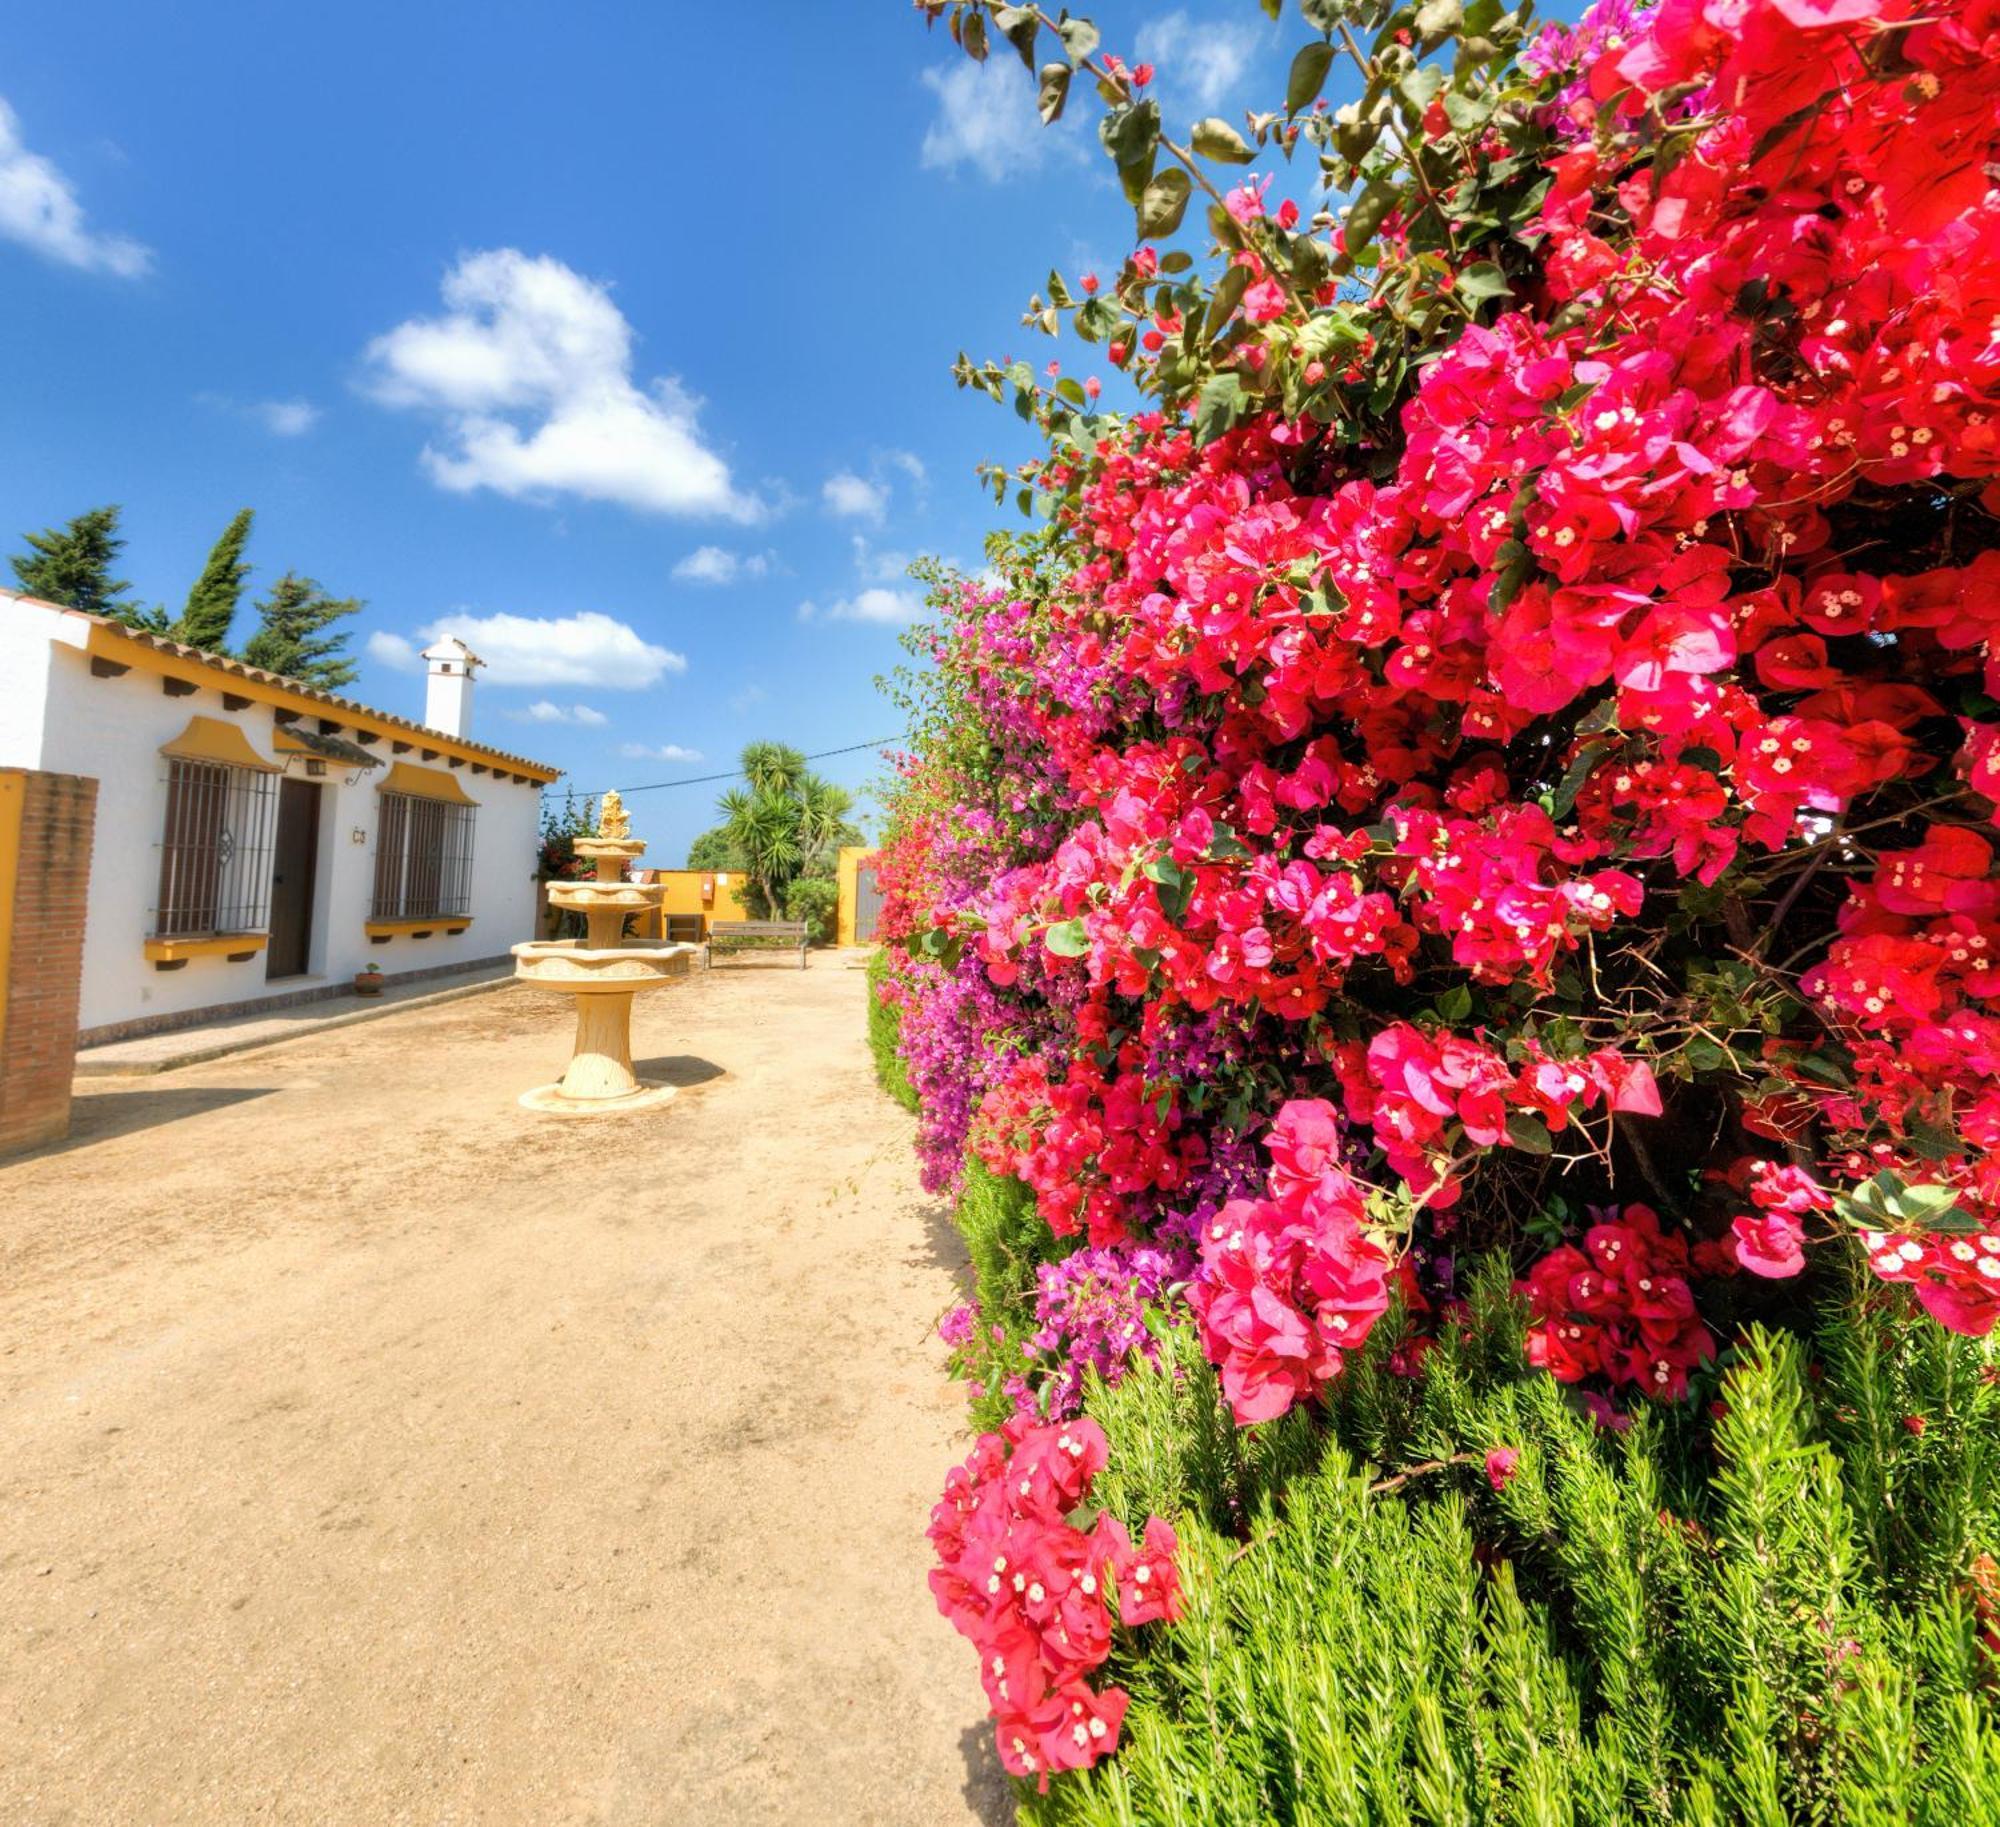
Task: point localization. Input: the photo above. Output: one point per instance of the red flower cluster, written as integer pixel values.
(1093, 1144)
(1290, 1283)
(1430, 1096)
(1032, 1593)
(1957, 1278)
(1619, 1308)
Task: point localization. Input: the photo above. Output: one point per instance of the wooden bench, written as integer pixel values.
(758, 935)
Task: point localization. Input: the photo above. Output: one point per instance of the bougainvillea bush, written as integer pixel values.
(1490, 754)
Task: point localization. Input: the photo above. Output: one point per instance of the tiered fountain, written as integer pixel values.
(603, 971)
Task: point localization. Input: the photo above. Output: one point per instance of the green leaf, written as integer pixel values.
(1079, 38)
(1437, 18)
(1482, 279)
(1132, 136)
(1528, 1133)
(1019, 25)
(1308, 76)
(1367, 213)
(1164, 203)
(1223, 844)
(1216, 139)
(1455, 1004)
(1069, 940)
(1564, 797)
(1053, 92)
(1221, 405)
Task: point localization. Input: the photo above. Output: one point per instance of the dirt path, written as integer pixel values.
(372, 1451)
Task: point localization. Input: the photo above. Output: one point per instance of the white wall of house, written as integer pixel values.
(113, 729)
(26, 642)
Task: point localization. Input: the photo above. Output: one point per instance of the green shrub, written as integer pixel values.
(885, 1024)
(813, 899)
(1007, 1240)
(1764, 1617)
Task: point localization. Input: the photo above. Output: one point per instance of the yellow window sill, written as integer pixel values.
(217, 945)
(398, 929)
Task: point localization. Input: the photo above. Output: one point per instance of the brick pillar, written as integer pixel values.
(46, 822)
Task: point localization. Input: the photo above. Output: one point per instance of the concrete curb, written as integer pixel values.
(86, 1067)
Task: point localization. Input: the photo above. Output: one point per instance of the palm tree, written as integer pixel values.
(773, 767)
(785, 822)
(763, 829)
(824, 823)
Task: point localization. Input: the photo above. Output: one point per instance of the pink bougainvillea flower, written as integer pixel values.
(1771, 1245)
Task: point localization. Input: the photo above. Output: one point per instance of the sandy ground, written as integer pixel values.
(372, 1451)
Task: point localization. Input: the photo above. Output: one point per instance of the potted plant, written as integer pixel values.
(368, 980)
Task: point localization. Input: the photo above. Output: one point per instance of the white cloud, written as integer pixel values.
(291, 418)
(718, 565)
(395, 652)
(854, 497)
(909, 463)
(665, 751)
(286, 418)
(875, 604)
(39, 209)
(588, 649)
(747, 700)
(1199, 63)
(529, 373)
(542, 711)
(879, 567)
(986, 118)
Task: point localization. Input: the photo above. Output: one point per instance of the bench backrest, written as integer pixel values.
(756, 929)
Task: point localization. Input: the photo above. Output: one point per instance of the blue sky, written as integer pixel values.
(615, 336)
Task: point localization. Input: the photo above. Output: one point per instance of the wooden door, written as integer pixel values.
(294, 858)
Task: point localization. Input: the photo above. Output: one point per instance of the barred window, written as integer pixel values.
(423, 859)
(215, 857)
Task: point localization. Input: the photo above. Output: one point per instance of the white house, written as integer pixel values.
(258, 840)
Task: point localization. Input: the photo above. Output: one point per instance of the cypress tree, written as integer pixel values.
(71, 565)
(211, 604)
(291, 637)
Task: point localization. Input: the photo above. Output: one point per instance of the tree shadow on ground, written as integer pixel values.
(681, 1069)
(104, 1115)
(945, 1244)
(987, 1791)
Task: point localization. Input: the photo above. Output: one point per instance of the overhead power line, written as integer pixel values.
(703, 780)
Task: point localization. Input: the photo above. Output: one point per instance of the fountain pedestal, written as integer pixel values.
(603, 973)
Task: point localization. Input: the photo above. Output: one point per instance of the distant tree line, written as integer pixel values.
(72, 565)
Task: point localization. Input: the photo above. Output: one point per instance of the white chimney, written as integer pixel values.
(448, 692)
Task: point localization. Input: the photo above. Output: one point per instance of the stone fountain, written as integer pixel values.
(603, 971)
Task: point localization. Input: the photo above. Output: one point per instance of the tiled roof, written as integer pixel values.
(224, 663)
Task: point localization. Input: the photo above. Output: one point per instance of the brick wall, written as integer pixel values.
(45, 831)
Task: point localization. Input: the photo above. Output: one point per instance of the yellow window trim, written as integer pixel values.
(447, 923)
(426, 783)
(172, 951)
(211, 739)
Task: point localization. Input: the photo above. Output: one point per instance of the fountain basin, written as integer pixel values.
(605, 897)
(571, 966)
(622, 849)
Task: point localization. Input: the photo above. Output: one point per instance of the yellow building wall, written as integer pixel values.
(711, 892)
(847, 877)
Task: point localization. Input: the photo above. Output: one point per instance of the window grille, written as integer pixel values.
(215, 858)
(423, 859)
